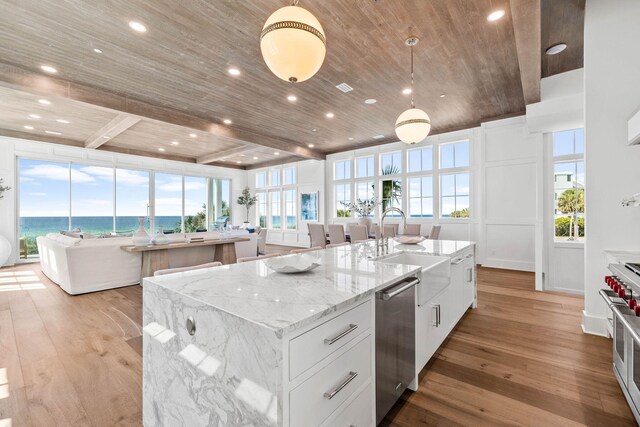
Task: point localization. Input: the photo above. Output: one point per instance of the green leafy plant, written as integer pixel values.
(3, 189)
(362, 207)
(247, 200)
(571, 202)
(343, 213)
(462, 213)
(391, 189)
(564, 226)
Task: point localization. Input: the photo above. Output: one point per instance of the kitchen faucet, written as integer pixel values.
(384, 241)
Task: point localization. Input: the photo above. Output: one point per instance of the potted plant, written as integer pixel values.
(5, 246)
(364, 208)
(247, 200)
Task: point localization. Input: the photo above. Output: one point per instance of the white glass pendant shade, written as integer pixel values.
(413, 126)
(293, 44)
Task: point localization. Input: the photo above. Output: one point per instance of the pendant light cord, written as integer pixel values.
(413, 105)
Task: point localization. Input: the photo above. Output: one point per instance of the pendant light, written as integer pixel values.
(293, 44)
(413, 125)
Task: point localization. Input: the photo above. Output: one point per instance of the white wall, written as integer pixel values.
(11, 148)
(310, 178)
(612, 94)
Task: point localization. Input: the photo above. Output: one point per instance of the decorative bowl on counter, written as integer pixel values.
(409, 240)
(298, 263)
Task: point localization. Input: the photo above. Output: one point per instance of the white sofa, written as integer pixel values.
(88, 265)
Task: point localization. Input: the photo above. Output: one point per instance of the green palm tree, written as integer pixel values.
(391, 189)
(571, 202)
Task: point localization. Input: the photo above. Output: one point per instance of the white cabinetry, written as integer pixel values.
(437, 317)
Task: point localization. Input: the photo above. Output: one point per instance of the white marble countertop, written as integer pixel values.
(285, 302)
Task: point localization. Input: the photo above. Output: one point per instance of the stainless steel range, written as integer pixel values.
(623, 298)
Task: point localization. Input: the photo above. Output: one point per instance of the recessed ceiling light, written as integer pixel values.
(193, 135)
(238, 162)
(63, 121)
(227, 121)
(276, 153)
(29, 127)
(243, 155)
(406, 91)
(174, 143)
(556, 49)
(442, 95)
(160, 149)
(311, 145)
(350, 139)
(255, 158)
(50, 132)
(34, 116)
(378, 136)
(96, 50)
(330, 115)
(314, 130)
(370, 101)
(137, 26)
(48, 69)
(292, 98)
(495, 15)
(106, 137)
(44, 101)
(234, 71)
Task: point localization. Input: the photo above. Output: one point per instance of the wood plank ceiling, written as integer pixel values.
(175, 76)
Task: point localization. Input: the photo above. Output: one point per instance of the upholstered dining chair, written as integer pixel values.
(183, 269)
(358, 232)
(349, 225)
(317, 235)
(391, 230)
(412, 229)
(302, 250)
(255, 258)
(435, 232)
(336, 234)
(337, 245)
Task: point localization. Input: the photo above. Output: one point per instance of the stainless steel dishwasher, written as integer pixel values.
(395, 343)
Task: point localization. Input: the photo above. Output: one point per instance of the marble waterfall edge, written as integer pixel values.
(235, 369)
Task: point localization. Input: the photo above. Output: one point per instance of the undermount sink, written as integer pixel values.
(434, 275)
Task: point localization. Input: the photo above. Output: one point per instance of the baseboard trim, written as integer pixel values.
(594, 325)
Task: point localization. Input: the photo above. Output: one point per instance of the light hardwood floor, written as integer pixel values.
(520, 358)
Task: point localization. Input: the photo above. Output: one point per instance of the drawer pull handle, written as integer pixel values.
(352, 376)
(330, 341)
(457, 261)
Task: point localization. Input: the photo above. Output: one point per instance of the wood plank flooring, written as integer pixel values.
(520, 358)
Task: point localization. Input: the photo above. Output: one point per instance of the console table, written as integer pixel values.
(156, 257)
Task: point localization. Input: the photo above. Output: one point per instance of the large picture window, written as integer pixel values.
(168, 202)
(343, 196)
(421, 197)
(261, 208)
(290, 209)
(195, 204)
(342, 170)
(391, 163)
(454, 195)
(364, 167)
(274, 207)
(132, 199)
(420, 159)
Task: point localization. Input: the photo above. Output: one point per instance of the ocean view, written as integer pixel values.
(32, 227)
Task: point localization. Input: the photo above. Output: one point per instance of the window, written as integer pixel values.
(168, 199)
(132, 199)
(454, 195)
(421, 197)
(289, 176)
(391, 195)
(454, 155)
(91, 198)
(274, 206)
(568, 185)
(342, 169)
(261, 209)
(195, 204)
(420, 159)
(261, 179)
(290, 210)
(364, 190)
(390, 163)
(343, 196)
(44, 201)
(274, 178)
(364, 167)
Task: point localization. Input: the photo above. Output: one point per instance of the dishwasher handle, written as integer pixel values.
(407, 283)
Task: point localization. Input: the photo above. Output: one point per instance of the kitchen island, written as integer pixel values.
(242, 345)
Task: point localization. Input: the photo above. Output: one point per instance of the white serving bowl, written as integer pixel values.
(297, 263)
(410, 240)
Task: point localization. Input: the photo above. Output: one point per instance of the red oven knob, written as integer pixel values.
(607, 279)
(621, 292)
(632, 304)
(615, 287)
(637, 310)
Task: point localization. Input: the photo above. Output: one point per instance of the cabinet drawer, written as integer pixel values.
(359, 413)
(310, 404)
(311, 347)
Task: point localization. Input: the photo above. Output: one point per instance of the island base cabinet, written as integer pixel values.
(357, 413)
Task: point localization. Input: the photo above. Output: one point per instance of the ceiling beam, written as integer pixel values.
(221, 155)
(115, 127)
(527, 30)
(275, 162)
(17, 78)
